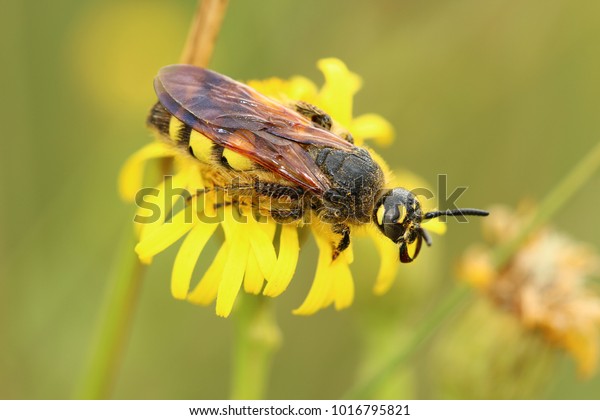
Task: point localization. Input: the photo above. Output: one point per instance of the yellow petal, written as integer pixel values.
(328, 300)
(261, 241)
(152, 210)
(235, 267)
(163, 204)
(253, 279)
(298, 88)
(388, 266)
(583, 346)
(132, 173)
(341, 294)
(282, 274)
(145, 214)
(272, 87)
(195, 182)
(476, 268)
(435, 226)
(337, 93)
(262, 258)
(206, 290)
(348, 254)
(372, 126)
(414, 182)
(320, 290)
(390, 177)
(187, 256)
(166, 234)
(343, 286)
(208, 201)
(301, 89)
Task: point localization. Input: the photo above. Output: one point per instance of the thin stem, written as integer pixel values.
(203, 32)
(117, 315)
(560, 195)
(115, 323)
(256, 333)
(457, 297)
(257, 337)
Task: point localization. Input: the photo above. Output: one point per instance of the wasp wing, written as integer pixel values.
(241, 119)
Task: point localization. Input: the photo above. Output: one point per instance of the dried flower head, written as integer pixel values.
(545, 285)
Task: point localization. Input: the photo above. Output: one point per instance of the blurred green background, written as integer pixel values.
(501, 95)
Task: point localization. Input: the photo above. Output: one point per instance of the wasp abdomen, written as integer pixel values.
(197, 144)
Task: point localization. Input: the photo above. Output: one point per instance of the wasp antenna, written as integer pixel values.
(455, 212)
(425, 235)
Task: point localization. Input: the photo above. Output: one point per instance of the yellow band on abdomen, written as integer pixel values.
(201, 146)
(174, 127)
(238, 161)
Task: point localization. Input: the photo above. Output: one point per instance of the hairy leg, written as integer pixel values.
(343, 231)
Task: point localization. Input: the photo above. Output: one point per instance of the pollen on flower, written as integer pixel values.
(258, 254)
(544, 285)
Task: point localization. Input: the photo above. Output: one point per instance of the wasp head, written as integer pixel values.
(398, 215)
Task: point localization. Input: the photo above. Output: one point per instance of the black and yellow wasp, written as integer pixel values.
(285, 153)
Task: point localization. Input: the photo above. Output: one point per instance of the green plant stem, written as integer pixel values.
(257, 337)
(457, 297)
(560, 195)
(115, 322)
(203, 32)
(126, 278)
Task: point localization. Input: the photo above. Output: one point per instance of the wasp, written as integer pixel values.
(286, 152)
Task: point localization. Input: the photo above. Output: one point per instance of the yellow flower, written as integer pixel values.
(543, 285)
(248, 258)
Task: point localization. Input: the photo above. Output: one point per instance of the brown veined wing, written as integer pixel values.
(241, 119)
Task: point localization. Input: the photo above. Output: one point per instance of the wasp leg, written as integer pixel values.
(318, 117)
(344, 231)
(348, 137)
(283, 203)
(219, 205)
(287, 215)
(286, 204)
(187, 199)
(274, 190)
